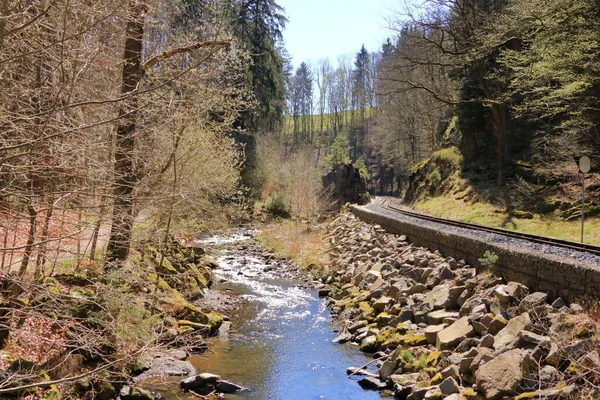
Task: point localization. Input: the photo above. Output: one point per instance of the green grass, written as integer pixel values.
(489, 215)
(315, 120)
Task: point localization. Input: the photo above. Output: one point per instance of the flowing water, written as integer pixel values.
(281, 347)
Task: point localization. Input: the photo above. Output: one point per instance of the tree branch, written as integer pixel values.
(187, 49)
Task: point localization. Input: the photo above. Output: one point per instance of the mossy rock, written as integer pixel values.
(167, 268)
(385, 334)
(215, 320)
(104, 390)
(383, 319)
(437, 379)
(74, 279)
(413, 340)
(522, 214)
(392, 343)
(182, 330)
(585, 331)
(344, 304)
(209, 262)
(433, 358)
(546, 206)
(22, 365)
(83, 292)
(194, 325)
(195, 314)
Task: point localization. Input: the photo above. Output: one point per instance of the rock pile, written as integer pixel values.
(443, 329)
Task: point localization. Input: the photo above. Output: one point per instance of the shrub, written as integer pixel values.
(276, 206)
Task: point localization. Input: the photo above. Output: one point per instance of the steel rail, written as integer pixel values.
(588, 248)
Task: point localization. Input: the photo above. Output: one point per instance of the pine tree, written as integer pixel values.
(258, 26)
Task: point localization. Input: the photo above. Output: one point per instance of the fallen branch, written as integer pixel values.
(59, 381)
(367, 364)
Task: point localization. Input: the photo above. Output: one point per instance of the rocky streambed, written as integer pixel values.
(277, 338)
(438, 328)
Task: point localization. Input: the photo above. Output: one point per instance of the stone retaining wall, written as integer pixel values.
(567, 279)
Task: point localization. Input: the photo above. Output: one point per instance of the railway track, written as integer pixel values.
(388, 204)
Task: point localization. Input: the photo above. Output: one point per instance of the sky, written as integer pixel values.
(329, 28)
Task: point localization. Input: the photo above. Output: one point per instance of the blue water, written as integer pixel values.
(281, 347)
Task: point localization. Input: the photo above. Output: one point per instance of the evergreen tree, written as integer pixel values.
(302, 95)
(258, 26)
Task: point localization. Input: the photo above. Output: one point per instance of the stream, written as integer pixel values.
(280, 345)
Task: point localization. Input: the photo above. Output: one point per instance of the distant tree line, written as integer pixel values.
(506, 82)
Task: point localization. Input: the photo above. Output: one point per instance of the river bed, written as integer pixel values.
(280, 345)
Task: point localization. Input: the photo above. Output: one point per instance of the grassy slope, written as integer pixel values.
(447, 206)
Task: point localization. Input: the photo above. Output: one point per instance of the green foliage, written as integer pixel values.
(362, 167)
(339, 151)
(407, 356)
(435, 178)
(276, 206)
(489, 258)
(258, 26)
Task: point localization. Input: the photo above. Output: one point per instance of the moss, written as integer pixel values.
(185, 329)
(528, 395)
(584, 332)
(194, 325)
(433, 358)
(412, 340)
(194, 314)
(438, 378)
(383, 319)
(215, 320)
(573, 370)
(392, 343)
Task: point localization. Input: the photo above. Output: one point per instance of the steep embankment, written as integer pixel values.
(85, 334)
(442, 329)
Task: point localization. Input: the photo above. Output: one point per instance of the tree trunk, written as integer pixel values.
(499, 115)
(122, 219)
(41, 255)
(30, 240)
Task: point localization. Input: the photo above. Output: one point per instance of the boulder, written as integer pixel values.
(559, 303)
(431, 332)
(198, 381)
(450, 372)
(135, 393)
(228, 387)
(381, 303)
(347, 184)
(372, 383)
(449, 386)
(404, 379)
(517, 290)
(369, 344)
(508, 337)
(502, 375)
(533, 338)
(483, 356)
(451, 336)
(487, 341)
(470, 304)
(532, 301)
(438, 297)
(497, 324)
(437, 317)
(387, 368)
